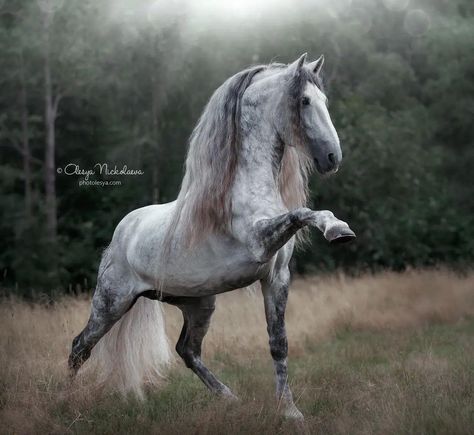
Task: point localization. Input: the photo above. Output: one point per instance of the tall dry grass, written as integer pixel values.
(319, 307)
(35, 338)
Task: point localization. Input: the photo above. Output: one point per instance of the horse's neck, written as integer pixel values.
(256, 183)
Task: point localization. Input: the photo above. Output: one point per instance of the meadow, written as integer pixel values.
(385, 353)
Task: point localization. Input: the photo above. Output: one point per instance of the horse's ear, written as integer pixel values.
(316, 66)
(295, 68)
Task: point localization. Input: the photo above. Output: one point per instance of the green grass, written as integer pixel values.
(406, 381)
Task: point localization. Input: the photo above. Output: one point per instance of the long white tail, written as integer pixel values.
(135, 351)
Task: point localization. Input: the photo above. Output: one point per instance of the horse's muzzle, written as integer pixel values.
(330, 164)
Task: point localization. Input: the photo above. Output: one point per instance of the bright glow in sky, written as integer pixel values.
(242, 8)
(227, 10)
(233, 16)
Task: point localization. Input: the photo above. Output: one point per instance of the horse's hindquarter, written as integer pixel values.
(215, 265)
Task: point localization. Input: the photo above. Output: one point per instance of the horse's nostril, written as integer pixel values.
(332, 158)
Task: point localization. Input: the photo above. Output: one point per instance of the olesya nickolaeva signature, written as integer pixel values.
(99, 168)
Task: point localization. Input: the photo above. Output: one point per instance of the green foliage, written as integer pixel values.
(132, 90)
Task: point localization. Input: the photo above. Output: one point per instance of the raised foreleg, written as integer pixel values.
(269, 235)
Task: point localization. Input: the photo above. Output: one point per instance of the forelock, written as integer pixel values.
(315, 79)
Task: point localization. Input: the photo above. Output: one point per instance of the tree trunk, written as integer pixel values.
(49, 157)
(25, 143)
(155, 113)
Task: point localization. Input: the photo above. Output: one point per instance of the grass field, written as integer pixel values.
(383, 354)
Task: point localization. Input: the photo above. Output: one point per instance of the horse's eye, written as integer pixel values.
(305, 101)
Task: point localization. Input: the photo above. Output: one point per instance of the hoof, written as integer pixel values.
(343, 238)
(72, 374)
(73, 366)
(293, 413)
(228, 395)
(231, 398)
(339, 234)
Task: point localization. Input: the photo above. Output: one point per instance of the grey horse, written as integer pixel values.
(240, 212)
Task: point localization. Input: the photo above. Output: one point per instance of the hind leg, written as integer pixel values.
(197, 314)
(106, 310)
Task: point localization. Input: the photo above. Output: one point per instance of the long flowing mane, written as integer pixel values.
(204, 201)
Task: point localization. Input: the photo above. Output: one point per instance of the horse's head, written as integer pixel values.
(302, 116)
